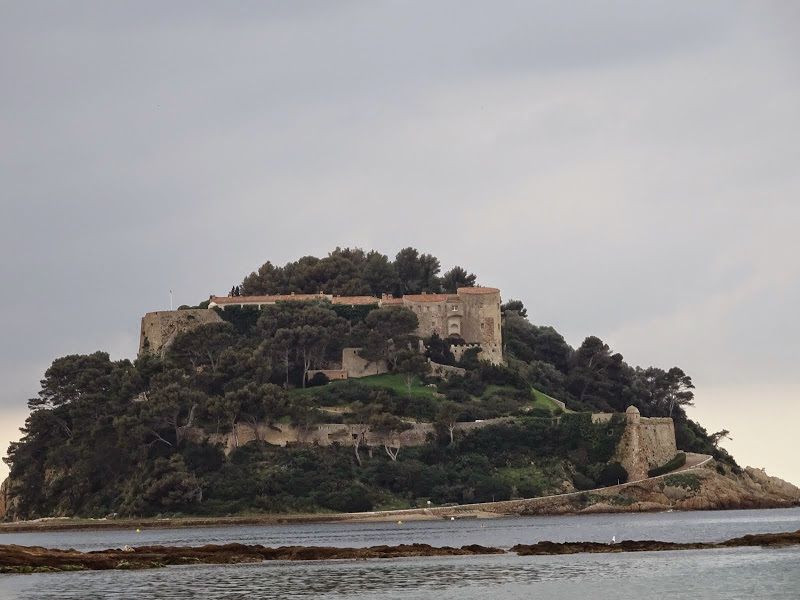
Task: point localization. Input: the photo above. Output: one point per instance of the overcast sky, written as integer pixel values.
(627, 169)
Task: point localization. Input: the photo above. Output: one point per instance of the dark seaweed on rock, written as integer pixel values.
(30, 559)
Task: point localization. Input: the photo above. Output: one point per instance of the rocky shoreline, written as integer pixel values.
(695, 488)
(34, 559)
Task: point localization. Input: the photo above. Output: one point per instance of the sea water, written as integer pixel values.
(723, 573)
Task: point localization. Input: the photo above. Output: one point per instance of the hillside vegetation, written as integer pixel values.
(113, 436)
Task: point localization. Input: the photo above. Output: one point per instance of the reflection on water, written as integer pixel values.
(712, 574)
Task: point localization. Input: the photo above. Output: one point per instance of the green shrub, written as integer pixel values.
(317, 380)
(349, 498)
(689, 481)
(243, 318)
(582, 482)
(677, 462)
(203, 458)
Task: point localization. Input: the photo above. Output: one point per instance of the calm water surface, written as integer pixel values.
(729, 573)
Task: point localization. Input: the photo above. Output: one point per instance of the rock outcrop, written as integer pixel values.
(764, 540)
(31, 559)
(34, 559)
(704, 488)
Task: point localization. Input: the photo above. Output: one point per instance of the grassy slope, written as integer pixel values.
(397, 384)
(386, 381)
(542, 400)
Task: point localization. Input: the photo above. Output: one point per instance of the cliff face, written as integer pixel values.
(753, 488)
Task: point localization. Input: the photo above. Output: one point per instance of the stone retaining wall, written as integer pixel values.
(327, 434)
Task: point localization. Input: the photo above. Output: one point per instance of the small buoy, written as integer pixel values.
(399, 522)
(138, 530)
(452, 518)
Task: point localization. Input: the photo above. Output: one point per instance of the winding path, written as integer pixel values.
(693, 461)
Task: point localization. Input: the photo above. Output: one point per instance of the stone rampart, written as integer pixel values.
(459, 350)
(444, 371)
(646, 443)
(331, 374)
(602, 417)
(327, 434)
(658, 437)
(355, 366)
(160, 328)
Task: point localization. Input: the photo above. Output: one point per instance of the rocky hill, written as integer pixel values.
(225, 418)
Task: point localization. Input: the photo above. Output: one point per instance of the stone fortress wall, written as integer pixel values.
(482, 323)
(473, 313)
(351, 367)
(327, 434)
(355, 366)
(647, 442)
(160, 328)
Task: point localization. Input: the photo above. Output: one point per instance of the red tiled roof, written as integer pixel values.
(425, 297)
(355, 300)
(351, 300)
(266, 299)
(478, 290)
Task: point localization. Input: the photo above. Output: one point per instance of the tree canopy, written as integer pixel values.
(352, 271)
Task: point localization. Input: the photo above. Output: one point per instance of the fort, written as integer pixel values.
(472, 314)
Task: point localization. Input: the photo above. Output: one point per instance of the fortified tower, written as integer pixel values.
(159, 329)
(646, 443)
(481, 321)
(472, 313)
